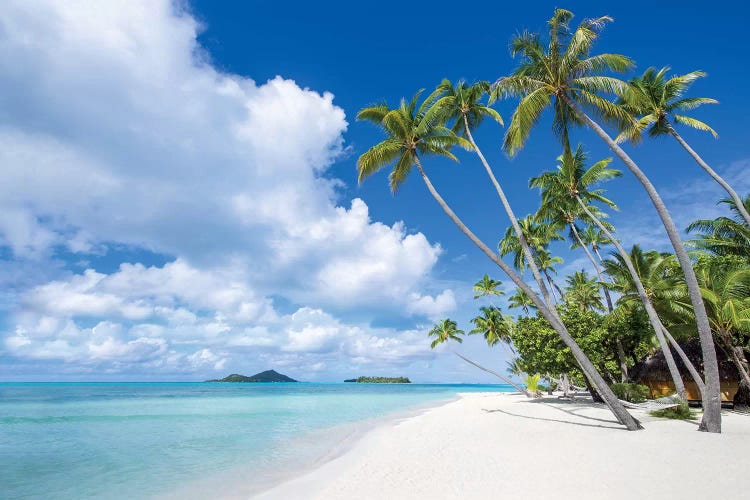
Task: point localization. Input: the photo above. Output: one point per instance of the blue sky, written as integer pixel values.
(180, 196)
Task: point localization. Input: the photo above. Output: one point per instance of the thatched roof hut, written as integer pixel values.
(654, 373)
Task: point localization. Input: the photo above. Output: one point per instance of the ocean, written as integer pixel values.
(183, 440)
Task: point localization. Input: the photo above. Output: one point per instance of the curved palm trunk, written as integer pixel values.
(511, 215)
(618, 410)
(711, 421)
(606, 292)
(652, 315)
(739, 362)
(504, 379)
(732, 193)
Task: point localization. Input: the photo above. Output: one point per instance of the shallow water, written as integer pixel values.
(126, 440)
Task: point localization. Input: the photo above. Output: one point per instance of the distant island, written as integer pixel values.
(266, 376)
(380, 380)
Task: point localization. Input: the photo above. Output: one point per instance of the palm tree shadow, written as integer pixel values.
(574, 412)
(615, 425)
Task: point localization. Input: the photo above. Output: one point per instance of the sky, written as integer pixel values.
(179, 197)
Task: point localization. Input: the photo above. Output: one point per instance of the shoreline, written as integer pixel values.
(242, 483)
(490, 445)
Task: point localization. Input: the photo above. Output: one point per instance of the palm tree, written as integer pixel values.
(446, 330)
(727, 296)
(462, 103)
(487, 287)
(495, 327)
(648, 279)
(538, 236)
(546, 263)
(559, 190)
(567, 78)
(520, 299)
(653, 99)
(724, 235)
(583, 291)
(412, 132)
(595, 238)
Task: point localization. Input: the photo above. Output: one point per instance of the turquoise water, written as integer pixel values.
(136, 440)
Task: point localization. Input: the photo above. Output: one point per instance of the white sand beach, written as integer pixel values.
(507, 446)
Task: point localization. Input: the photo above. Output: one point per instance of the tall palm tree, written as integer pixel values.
(657, 103)
(463, 104)
(583, 291)
(487, 287)
(520, 299)
(724, 235)
(415, 131)
(446, 330)
(565, 77)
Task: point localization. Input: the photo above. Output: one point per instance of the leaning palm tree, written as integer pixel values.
(487, 287)
(724, 235)
(595, 238)
(463, 104)
(416, 131)
(657, 103)
(547, 263)
(565, 77)
(446, 330)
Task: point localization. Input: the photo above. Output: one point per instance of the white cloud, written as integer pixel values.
(117, 130)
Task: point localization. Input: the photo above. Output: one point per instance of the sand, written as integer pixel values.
(506, 446)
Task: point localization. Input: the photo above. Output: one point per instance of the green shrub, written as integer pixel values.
(635, 393)
(532, 383)
(682, 412)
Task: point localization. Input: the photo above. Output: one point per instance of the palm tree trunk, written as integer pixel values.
(711, 421)
(504, 379)
(689, 364)
(511, 215)
(732, 193)
(618, 341)
(650, 311)
(618, 410)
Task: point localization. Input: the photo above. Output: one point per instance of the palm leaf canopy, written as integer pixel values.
(561, 72)
(411, 130)
(462, 104)
(444, 331)
(652, 99)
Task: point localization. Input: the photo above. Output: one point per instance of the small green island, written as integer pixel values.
(266, 376)
(380, 380)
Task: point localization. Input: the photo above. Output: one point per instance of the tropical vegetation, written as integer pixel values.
(595, 329)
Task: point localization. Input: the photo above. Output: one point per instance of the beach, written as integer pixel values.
(506, 446)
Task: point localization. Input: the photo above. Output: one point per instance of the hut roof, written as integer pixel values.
(654, 368)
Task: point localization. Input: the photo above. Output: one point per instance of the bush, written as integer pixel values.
(532, 383)
(635, 393)
(682, 412)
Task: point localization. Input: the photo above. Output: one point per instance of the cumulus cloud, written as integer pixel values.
(117, 130)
